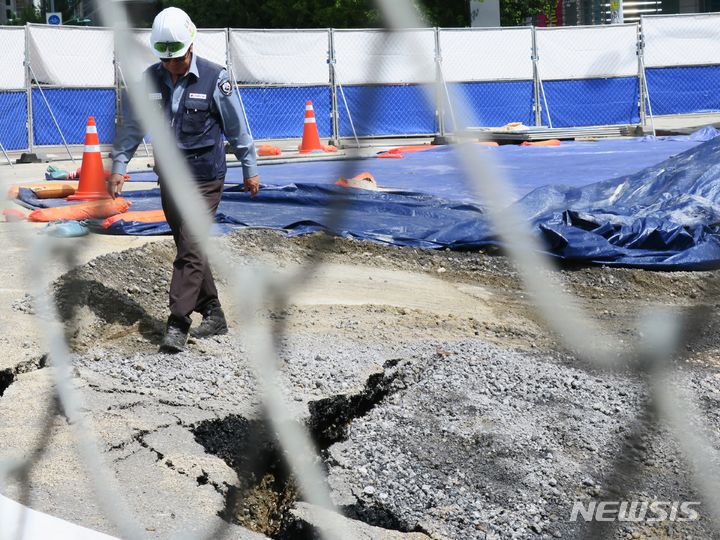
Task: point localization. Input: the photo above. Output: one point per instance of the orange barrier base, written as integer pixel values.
(93, 209)
(89, 196)
(324, 148)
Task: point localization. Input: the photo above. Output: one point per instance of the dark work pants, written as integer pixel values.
(192, 286)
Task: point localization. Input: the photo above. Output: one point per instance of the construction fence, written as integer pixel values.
(52, 78)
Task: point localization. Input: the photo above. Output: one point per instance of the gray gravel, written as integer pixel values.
(481, 442)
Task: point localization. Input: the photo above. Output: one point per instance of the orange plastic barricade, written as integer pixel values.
(49, 190)
(94, 209)
(549, 142)
(142, 216)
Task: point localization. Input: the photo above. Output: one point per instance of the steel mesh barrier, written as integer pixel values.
(13, 97)
(278, 111)
(491, 104)
(498, 84)
(254, 288)
(13, 128)
(278, 72)
(567, 76)
(379, 78)
(680, 63)
(588, 75)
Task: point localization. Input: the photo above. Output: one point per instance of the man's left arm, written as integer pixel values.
(236, 130)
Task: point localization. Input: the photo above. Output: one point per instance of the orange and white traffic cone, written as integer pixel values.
(311, 137)
(92, 175)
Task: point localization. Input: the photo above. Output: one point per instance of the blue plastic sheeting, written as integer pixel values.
(398, 218)
(386, 110)
(663, 217)
(493, 103)
(71, 107)
(13, 127)
(280, 112)
(592, 102)
(437, 172)
(684, 89)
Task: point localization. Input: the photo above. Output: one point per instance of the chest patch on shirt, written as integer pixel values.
(155, 96)
(193, 95)
(225, 87)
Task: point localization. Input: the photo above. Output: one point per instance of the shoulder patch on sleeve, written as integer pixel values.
(225, 87)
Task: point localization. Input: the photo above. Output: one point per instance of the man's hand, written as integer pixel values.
(252, 185)
(115, 184)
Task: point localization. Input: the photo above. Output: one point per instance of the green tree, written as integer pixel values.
(29, 14)
(280, 13)
(342, 13)
(445, 13)
(515, 12)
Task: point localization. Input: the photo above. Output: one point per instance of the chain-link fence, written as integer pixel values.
(373, 66)
(588, 76)
(556, 77)
(278, 72)
(72, 76)
(497, 84)
(254, 289)
(13, 96)
(681, 64)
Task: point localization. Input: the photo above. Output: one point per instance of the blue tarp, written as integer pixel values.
(664, 216)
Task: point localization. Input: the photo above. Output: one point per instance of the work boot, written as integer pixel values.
(175, 335)
(213, 322)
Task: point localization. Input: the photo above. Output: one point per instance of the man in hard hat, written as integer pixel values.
(197, 97)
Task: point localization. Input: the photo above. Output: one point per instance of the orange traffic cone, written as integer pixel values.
(311, 137)
(92, 175)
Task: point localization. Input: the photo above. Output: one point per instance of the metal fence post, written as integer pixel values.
(118, 88)
(641, 76)
(28, 87)
(537, 107)
(441, 138)
(334, 110)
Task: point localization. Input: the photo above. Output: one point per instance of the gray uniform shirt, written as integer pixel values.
(231, 115)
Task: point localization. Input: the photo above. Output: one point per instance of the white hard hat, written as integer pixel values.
(172, 33)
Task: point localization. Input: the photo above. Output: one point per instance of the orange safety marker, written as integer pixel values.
(311, 137)
(92, 175)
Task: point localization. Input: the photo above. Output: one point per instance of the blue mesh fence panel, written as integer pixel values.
(13, 120)
(590, 102)
(678, 90)
(386, 110)
(71, 107)
(279, 112)
(494, 103)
